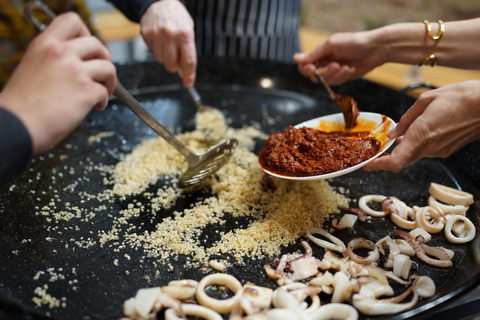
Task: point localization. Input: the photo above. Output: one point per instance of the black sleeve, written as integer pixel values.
(16, 148)
(133, 9)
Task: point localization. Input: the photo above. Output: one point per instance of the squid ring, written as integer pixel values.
(314, 305)
(450, 195)
(362, 204)
(336, 244)
(220, 306)
(403, 223)
(424, 286)
(339, 311)
(446, 208)
(430, 220)
(193, 310)
(181, 289)
(372, 256)
(468, 232)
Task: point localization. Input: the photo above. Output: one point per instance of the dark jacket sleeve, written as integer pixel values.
(16, 148)
(133, 9)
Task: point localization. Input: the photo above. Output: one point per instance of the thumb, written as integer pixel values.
(408, 118)
(311, 57)
(305, 57)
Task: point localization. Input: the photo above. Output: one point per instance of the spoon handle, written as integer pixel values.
(325, 84)
(196, 97)
(123, 95)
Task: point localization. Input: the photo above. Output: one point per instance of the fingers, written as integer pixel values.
(336, 74)
(97, 65)
(103, 72)
(308, 70)
(177, 55)
(67, 26)
(188, 63)
(169, 51)
(313, 56)
(409, 117)
(103, 78)
(395, 162)
(308, 61)
(168, 30)
(407, 151)
(89, 48)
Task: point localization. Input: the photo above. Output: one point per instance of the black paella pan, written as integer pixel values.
(65, 260)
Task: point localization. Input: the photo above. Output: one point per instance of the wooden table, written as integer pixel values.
(113, 26)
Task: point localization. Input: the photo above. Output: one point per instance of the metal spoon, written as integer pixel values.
(199, 166)
(207, 119)
(346, 103)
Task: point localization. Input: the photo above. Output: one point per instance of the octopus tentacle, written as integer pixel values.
(421, 253)
(362, 215)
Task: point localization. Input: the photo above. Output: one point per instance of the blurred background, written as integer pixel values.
(320, 18)
(352, 15)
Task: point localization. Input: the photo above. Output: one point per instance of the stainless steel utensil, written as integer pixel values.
(196, 98)
(199, 166)
(346, 103)
(209, 120)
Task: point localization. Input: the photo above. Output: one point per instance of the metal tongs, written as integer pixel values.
(199, 166)
(346, 103)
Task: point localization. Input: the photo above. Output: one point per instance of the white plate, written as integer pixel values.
(338, 118)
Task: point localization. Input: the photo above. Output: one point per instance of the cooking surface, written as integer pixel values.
(66, 255)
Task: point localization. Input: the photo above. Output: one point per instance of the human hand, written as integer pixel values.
(439, 123)
(167, 29)
(62, 76)
(342, 57)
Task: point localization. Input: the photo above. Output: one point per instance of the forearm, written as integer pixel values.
(408, 43)
(15, 146)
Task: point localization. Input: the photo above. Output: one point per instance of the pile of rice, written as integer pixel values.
(279, 215)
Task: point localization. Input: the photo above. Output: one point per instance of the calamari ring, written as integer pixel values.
(372, 256)
(430, 219)
(424, 286)
(403, 223)
(450, 195)
(193, 310)
(181, 289)
(420, 232)
(340, 311)
(446, 208)
(468, 232)
(362, 204)
(220, 306)
(314, 305)
(393, 204)
(260, 297)
(335, 245)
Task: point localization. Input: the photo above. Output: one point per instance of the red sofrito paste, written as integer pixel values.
(308, 152)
